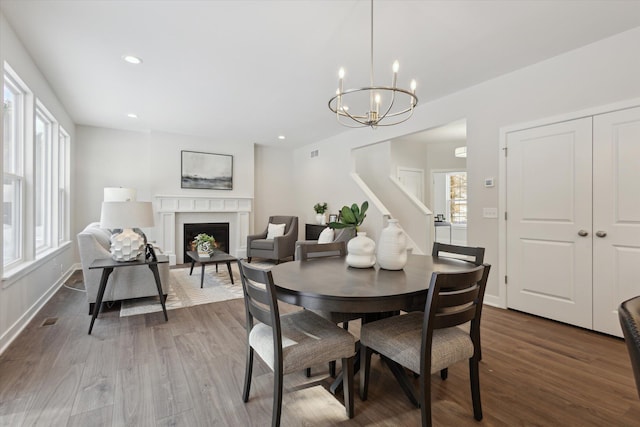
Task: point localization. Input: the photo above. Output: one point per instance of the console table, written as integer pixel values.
(312, 231)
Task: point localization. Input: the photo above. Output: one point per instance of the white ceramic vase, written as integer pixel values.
(321, 219)
(361, 251)
(392, 247)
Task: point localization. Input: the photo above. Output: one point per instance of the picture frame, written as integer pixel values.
(333, 217)
(207, 171)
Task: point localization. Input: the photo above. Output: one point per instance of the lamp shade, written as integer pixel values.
(119, 194)
(126, 214)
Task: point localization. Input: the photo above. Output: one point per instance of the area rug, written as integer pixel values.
(184, 290)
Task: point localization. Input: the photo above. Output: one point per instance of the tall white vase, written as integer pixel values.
(321, 218)
(361, 251)
(392, 247)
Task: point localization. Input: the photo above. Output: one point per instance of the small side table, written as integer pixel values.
(215, 258)
(108, 264)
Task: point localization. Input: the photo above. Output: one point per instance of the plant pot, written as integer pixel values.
(204, 249)
(361, 251)
(321, 218)
(392, 247)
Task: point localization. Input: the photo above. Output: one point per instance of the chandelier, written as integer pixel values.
(378, 105)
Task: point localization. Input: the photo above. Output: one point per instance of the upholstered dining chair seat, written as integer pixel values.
(301, 348)
(399, 338)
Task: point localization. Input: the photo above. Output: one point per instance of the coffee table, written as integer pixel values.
(216, 258)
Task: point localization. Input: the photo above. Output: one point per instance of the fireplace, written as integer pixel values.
(219, 231)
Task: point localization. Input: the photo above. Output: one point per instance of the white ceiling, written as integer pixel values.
(249, 71)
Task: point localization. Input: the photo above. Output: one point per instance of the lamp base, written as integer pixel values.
(126, 246)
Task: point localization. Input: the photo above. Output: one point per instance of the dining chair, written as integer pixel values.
(323, 250)
(468, 253)
(426, 342)
(289, 342)
(629, 315)
(471, 254)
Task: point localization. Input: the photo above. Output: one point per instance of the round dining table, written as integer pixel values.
(332, 285)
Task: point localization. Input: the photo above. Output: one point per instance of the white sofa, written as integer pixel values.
(124, 283)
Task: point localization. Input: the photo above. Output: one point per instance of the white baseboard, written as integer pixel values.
(12, 333)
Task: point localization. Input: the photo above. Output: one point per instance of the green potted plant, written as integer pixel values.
(204, 244)
(320, 209)
(351, 216)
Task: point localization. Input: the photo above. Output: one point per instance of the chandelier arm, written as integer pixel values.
(393, 99)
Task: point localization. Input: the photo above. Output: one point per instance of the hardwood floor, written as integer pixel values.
(189, 371)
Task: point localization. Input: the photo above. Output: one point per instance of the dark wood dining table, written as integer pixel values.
(329, 284)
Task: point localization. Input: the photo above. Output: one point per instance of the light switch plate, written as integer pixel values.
(490, 212)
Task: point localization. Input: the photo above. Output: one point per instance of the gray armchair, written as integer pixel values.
(341, 235)
(278, 248)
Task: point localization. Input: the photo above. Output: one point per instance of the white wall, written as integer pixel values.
(25, 293)
(274, 187)
(150, 162)
(597, 74)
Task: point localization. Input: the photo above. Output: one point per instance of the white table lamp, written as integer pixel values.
(126, 246)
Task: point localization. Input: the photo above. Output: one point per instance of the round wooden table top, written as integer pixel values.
(330, 284)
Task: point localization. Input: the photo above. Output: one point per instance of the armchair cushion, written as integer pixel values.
(266, 244)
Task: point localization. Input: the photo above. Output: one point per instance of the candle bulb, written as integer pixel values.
(340, 77)
(396, 67)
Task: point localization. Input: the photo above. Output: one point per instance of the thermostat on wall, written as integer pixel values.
(488, 182)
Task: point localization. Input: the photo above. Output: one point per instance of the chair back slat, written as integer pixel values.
(471, 254)
(458, 298)
(321, 250)
(259, 295)
(449, 320)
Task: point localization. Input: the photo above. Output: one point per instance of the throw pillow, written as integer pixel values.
(275, 230)
(326, 236)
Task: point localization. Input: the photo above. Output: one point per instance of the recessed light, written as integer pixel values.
(132, 116)
(281, 137)
(132, 59)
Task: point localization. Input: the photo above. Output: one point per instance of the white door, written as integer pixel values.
(549, 218)
(413, 181)
(616, 215)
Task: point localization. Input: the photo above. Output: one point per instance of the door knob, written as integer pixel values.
(601, 233)
(583, 233)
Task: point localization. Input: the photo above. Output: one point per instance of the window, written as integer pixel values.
(457, 197)
(13, 143)
(42, 179)
(36, 200)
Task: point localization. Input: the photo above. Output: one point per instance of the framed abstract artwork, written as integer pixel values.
(206, 171)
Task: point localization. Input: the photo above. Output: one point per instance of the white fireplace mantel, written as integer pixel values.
(202, 209)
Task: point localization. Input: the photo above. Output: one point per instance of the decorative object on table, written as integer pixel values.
(321, 216)
(127, 245)
(361, 249)
(392, 247)
(396, 106)
(206, 171)
(333, 217)
(205, 244)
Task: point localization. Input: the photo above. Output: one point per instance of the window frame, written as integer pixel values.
(451, 201)
(44, 176)
(17, 173)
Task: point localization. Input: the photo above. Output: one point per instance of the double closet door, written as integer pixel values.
(573, 219)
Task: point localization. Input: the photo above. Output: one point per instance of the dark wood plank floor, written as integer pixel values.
(188, 372)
